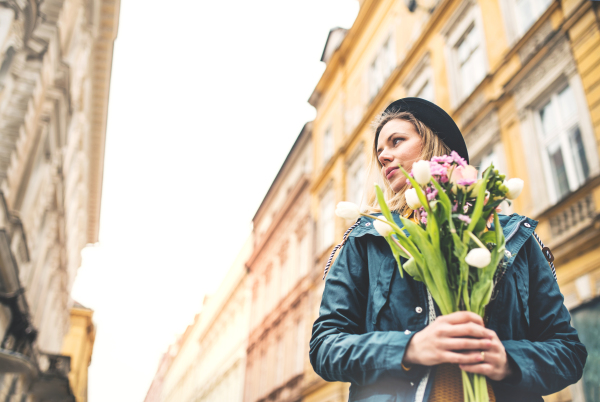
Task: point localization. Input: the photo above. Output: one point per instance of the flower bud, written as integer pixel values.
(421, 172)
(412, 199)
(515, 186)
(479, 258)
(382, 228)
(347, 210)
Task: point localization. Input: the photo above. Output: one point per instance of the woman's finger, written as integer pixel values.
(466, 330)
(461, 317)
(469, 358)
(483, 368)
(466, 344)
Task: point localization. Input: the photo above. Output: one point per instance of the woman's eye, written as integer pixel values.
(396, 141)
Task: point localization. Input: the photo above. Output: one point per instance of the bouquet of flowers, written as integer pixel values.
(450, 248)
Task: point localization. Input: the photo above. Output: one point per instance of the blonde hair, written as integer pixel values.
(432, 145)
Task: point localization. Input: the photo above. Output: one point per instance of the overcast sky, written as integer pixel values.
(206, 100)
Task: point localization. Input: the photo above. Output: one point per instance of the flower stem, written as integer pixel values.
(476, 240)
(468, 386)
(403, 249)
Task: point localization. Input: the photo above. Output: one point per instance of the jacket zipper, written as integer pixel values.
(514, 231)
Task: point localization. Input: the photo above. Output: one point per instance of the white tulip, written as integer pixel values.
(347, 210)
(515, 186)
(421, 172)
(383, 228)
(479, 258)
(412, 199)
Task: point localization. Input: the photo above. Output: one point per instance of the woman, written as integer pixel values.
(379, 331)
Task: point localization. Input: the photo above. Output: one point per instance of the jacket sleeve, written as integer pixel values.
(553, 357)
(340, 348)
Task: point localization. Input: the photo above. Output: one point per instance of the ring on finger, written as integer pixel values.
(482, 355)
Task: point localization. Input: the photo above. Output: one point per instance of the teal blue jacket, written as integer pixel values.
(369, 313)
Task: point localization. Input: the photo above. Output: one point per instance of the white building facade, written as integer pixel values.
(56, 60)
(281, 275)
(211, 360)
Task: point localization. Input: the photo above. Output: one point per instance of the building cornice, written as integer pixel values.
(102, 57)
(304, 136)
(290, 200)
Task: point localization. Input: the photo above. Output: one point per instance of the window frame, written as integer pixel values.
(326, 240)
(328, 144)
(465, 18)
(419, 78)
(355, 163)
(385, 60)
(562, 135)
(511, 18)
(551, 73)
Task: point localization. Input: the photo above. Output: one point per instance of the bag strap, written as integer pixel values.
(547, 253)
(336, 248)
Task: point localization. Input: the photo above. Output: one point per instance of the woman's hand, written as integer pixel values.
(459, 338)
(495, 364)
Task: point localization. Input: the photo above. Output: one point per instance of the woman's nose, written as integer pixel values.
(385, 157)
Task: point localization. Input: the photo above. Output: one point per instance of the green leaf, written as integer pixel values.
(396, 252)
(432, 225)
(488, 237)
(446, 201)
(479, 203)
(413, 270)
(435, 271)
(385, 210)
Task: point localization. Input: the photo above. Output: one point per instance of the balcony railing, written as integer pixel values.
(577, 215)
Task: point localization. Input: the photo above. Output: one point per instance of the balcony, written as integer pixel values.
(573, 224)
(52, 385)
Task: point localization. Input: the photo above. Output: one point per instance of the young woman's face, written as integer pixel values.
(399, 143)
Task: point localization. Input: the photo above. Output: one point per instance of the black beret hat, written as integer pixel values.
(435, 118)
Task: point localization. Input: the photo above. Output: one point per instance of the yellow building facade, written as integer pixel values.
(79, 345)
(522, 81)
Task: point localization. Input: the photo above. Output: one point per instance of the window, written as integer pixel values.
(586, 319)
(465, 50)
(280, 361)
(300, 347)
(470, 61)
(327, 145)
(304, 257)
(485, 162)
(381, 67)
(527, 12)
(327, 219)
(426, 91)
(263, 373)
(356, 179)
(563, 155)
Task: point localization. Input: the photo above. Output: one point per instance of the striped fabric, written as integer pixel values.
(547, 253)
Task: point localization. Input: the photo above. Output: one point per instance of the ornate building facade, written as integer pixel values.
(56, 59)
(522, 80)
(210, 359)
(281, 275)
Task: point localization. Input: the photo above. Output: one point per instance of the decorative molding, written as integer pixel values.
(457, 17)
(559, 54)
(484, 134)
(535, 42)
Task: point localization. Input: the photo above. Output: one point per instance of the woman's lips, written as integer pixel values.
(391, 173)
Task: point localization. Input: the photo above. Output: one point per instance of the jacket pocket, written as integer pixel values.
(523, 294)
(382, 289)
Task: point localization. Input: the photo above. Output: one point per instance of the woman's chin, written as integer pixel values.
(398, 185)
